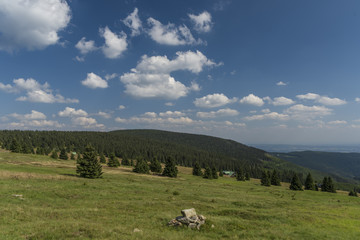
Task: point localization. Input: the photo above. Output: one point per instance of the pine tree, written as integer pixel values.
(197, 169)
(221, 174)
(102, 158)
(331, 187)
(265, 179)
(141, 166)
(88, 166)
(295, 183)
(247, 176)
(353, 193)
(208, 174)
(309, 183)
(113, 161)
(15, 146)
(63, 154)
(155, 165)
(275, 179)
(125, 161)
(240, 175)
(325, 186)
(54, 154)
(170, 169)
(72, 156)
(214, 173)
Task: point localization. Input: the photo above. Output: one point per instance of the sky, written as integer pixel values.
(258, 72)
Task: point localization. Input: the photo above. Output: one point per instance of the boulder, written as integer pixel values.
(189, 218)
(188, 212)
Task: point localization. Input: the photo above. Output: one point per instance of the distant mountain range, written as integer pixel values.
(323, 148)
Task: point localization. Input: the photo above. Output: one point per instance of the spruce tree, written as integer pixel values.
(221, 174)
(155, 165)
(275, 179)
(214, 173)
(240, 175)
(113, 161)
(54, 154)
(102, 158)
(88, 166)
(170, 169)
(265, 179)
(72, 156)
(295, 183)
(63, 154)
(125, 161)
(15, 146)
(353, 193)
(141, 166)
(325, 185)
(197, 169)
(331, 187)
(208, 174)
(309, 183)
(247, 176)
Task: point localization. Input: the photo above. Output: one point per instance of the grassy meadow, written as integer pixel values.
(42, 198)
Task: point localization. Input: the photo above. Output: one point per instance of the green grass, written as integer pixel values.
(55, 204)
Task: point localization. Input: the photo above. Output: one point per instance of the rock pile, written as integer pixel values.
(189, 218)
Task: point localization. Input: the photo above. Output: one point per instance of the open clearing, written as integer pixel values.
(42, 198)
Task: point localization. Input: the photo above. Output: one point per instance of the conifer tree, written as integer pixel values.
(141, 166)
(331, 187)
(113, 161)
(131, 162)
(63, 154)
(240, 175)
(54, 154)
(125, 161)
(155, 165)
(207, 173)
(197, 170)
(72, 156)
(88, 166)
(353, 193)
(221, 174)
(265, 179)
(295, 183)
(325, 185)
(214, 173)
(247, 176)
(275, 179)
(15, 146)
(170, 169)
(102, 158)
(309, 183)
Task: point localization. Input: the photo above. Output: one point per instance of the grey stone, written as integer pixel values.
(192, 225)
(188, 212)
(183, 220)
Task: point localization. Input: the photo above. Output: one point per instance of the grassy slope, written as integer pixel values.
(58, 205)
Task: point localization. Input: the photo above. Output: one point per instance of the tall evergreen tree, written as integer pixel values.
(197, 169)
(88, 166)
(214, 173)
(207, 173)
(325, 185)
(15, 146)
(275, 179)
(102, 158)
(295, 183)
(113, 161)
(331, 187)
(155, 165)
(125, 161)
(170, 169)
(265, 179)
(63, 154)
(72, 156)
(54, 154)
(141, 166)
(247, 176)
(221, 174)
(309, 182)
(240, 175)
(353, 193)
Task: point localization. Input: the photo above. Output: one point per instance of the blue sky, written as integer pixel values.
(280, 72)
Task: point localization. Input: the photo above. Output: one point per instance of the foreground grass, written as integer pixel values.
(55, 204)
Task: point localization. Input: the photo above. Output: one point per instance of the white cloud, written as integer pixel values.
(35, 92)
(85, 46)
(169, 104)
(282, 101)
(227, 112)
(281, 83)
(150, 114)
(266, 110)
(94, 81)
(252, 100)
(114, 45)
(322, 99)
(32, 24)
(110, 76)
(133, 22)
(120, 120)
(104, 114)
(271, 115)
(87, 122)
(72, 112)
(80, 59)
(34, 119)
(213, 100)
(151, 77)
(171, 114)
(301, 112)
(202, 22)
(337, 122)
(170, 34)
(35, 115)
(121, 107)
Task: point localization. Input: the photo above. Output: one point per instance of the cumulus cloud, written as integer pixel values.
(151, 77)
(227, 112)
(356, 99)
(86, 46)
(35, 92)
(121, 107)
(300, 111)
(72, 112)
(34, 119)
(32, 24)
(134, 23)
(105, 115)
(281, 83)
(202, 22)
(252, 100)
(171, 114)
(270, 115)
(322, 99)
(94, 81)
(86, 122)
(337, 122)
(279, 101)
(170, 34)
(213, 100)
(115, 44)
